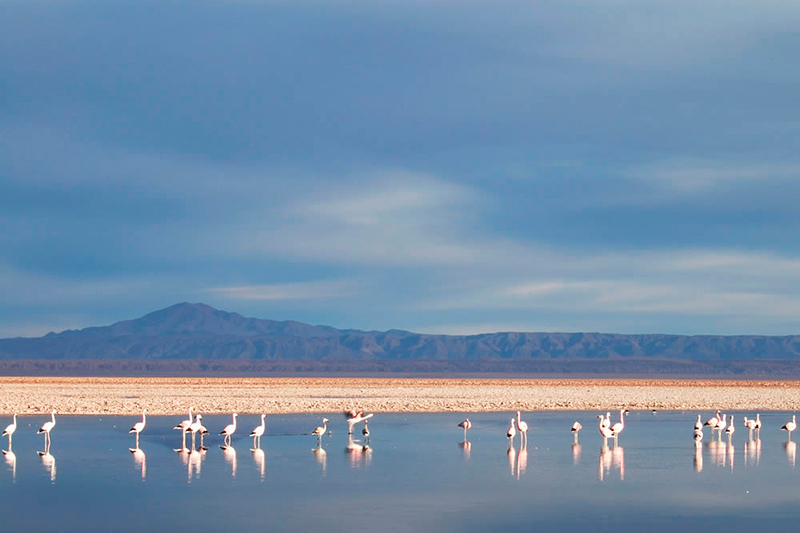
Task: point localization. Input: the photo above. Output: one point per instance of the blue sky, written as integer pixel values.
(451, 167)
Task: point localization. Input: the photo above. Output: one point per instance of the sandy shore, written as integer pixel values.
(162, 396)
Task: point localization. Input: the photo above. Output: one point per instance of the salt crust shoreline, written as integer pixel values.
(172, 396)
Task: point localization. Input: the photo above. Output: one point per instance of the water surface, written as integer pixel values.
(416, 475)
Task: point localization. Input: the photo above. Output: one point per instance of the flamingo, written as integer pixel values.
(790, 426)
(605, 431)
(203, 433)
(617, 428)
(576, 428)
(750, 424)
(698, 426)
(466, 424)
(607, 420)
(257, 432)
(10, 429)
(730, 430)
(523, 429)
(713, 421)
(46, 428)
(195, 428)
(229, 430)
(721, 425)
(512, 432)
(365, 433)
(354, 417)
(183, 426)
(319, 431)
(758, 424)
(137, 428)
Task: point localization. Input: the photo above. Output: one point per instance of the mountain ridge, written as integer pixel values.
(199, 331)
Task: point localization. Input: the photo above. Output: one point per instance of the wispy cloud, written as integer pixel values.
(698, 174)
(309, 290)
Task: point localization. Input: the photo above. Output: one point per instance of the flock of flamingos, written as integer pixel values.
(193, 425)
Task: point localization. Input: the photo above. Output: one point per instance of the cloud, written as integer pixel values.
(699, 174)
(309, 290)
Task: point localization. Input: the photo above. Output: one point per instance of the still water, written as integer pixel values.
(416, 475)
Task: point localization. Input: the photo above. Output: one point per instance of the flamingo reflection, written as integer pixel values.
(752, 452)
(195, 464)
(522, 459)
(140, 460)
(261, 463)
(698, 456)
(512, 457)
(790, 447)
(357, 452)
(576, 453)
(49, 463)
(466, 446)
(229, 453)
(11, 461)
(611, 458)
(321, 456)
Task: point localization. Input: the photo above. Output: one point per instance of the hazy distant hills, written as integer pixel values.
(199, 332)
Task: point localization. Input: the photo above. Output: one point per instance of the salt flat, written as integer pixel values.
(127, 396)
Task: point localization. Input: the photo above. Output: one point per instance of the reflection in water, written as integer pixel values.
(576, 453)
(11, 461)
(512, 458)
(49, 463)
(718, 451)
(229, 453)
(698, 456)
(730, 455)
(466, 447)
(140, 460)
(261, 463)
(195, 464)
(522, 459)
(357, 453)
(790, 447)
(611, 458)
(322, 457)
(752, 452)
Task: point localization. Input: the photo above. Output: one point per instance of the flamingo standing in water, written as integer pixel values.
(698, 426)
(713, 421)
(758, 424)
(576, 428)
(228, 431)
(365, 433)
(730, 430)
(195, 428)
(466, 424)
(46, 428)
(523, 430)
(354, 417)
(319, 431)
(617, 428)
(721, 425)
(790, 426)
(183, 426)
(137, 428)
(10, 429)
(257, 432)
(750, 424)
(512, 432)
(605, 431)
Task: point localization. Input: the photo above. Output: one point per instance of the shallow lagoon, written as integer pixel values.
(417, 475)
